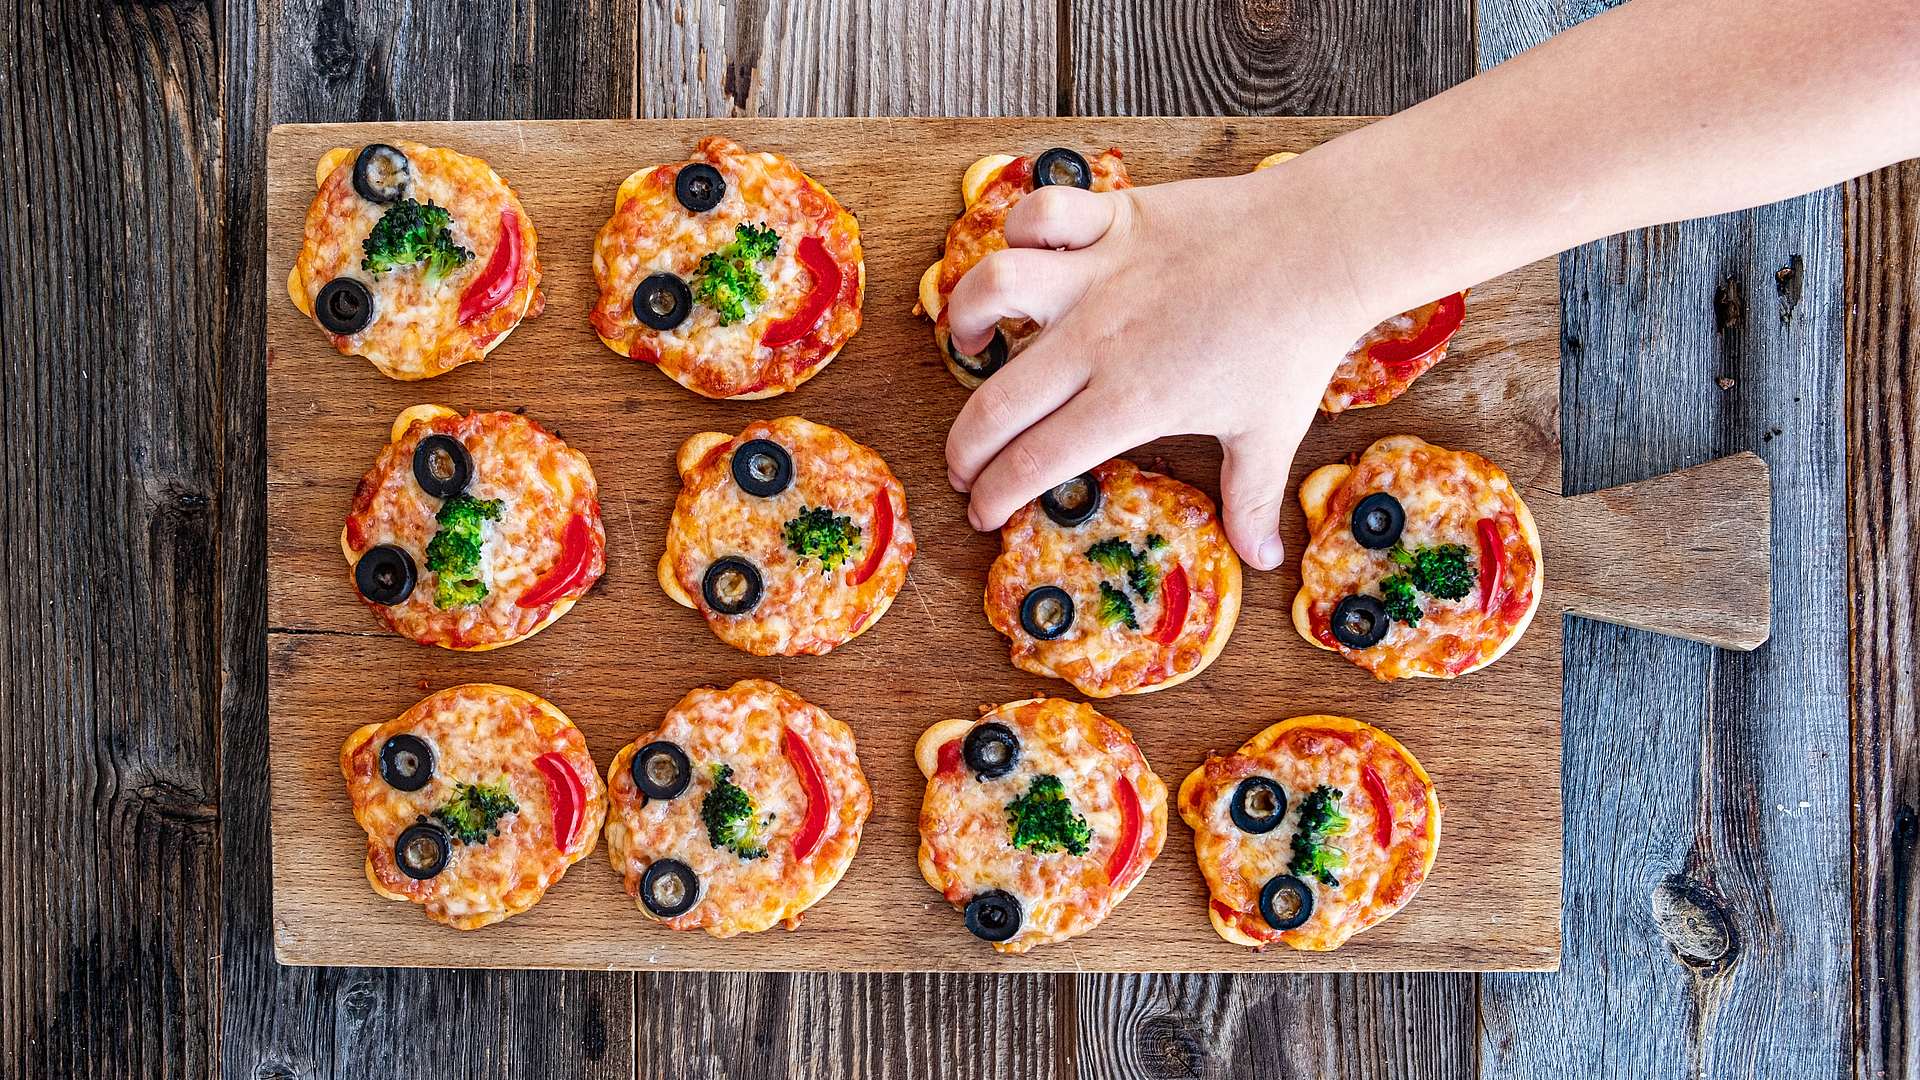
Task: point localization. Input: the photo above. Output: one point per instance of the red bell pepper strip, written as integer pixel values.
(949, 757)
(1173, 613)
(814, 826)
(1448, 313)
(576, 551)
(1382, 806)
(1128, 846)
(1493, 564)
(882, 537)
(566, 793)
(827, 279)
(500, 277)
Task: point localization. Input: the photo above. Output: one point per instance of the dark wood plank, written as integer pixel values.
(332, 62)
(110, 286)
(1883, 353)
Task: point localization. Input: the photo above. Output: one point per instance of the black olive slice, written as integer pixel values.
(1258, 805)
(669, 888)
(406, 762)
(1074, 501)
(1359, 621)
(1377, 521)
(1061, 167)
(442, 466)
(1047, 612)
(994, 916)
(381, 172)
(991, 751)
(700, 187)
(384, 575)
(1286, 902)
(423, 850)
(732, 586)
(983, 364)
(661, 770)
(762, 467)
(662, 301)
(344, 306)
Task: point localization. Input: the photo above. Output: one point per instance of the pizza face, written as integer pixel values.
(1120, 582)
(1384, 363)
(748, 276)
(790, 538)
(474, 802)
(740, 811)
(991, 188)
(1316, 829)
(419, 259)
(473, 532)
(1423, 561)
(1038, 819)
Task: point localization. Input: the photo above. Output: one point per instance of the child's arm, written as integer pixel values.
(1222, 306)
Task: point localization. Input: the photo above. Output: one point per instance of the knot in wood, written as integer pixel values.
(1166, 1050)
(1261, 25)
(1693, 921)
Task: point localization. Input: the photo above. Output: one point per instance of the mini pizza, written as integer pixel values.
(472, 532)
(417, 258)
(989, 189)
(1316, 829)
(734, 273)
(741, 811)
(474, 802)
(1039, 818)
(1384, 362)
(1420, 561)
(1118, 581)
(790, 538)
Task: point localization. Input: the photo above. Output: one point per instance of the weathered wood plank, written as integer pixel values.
(329, 62)
(1883, 407)
(110, 285)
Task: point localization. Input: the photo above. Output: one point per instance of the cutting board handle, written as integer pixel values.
(1686, 554)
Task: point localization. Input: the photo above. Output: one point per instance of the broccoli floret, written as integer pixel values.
(1443, 571)
(1116, 609)
(409, 233)
(1145, 579)
(818, 533)
(727, 280)
(1320, 818)
(454, 551)
(1403, 603)
(473, 815)
(1116, 556)
(1155, 542)
(1043, 820)
(1113, 555)
(729, 814)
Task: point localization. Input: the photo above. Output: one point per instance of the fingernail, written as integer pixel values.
(1271, 552)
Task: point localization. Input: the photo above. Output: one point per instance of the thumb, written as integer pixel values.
(1253, 484)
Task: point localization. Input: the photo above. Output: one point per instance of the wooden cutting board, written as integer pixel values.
(1640, 555)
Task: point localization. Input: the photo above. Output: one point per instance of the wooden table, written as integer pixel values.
(1739, 827)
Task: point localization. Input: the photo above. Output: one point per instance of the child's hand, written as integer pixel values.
(1216, 307)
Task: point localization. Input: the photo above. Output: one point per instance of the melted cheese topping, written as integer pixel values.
(741, 727)
(1301, 754)
(1100, 660)
(802, 610)
(479, 734)
(650, 232)
(1445, 493)
(416, 331)
(1361, 381)
(966, 843)
(541, 483)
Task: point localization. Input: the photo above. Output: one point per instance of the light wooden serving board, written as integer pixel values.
(626, 653)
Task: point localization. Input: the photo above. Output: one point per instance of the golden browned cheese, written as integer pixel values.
(541, 483)
(650, 231)
(416, 332)
(1302, 754)
(1101, 659)
(479, 734)
(1445, 495)
(804, 608)
(743, 728)
(966, 841)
